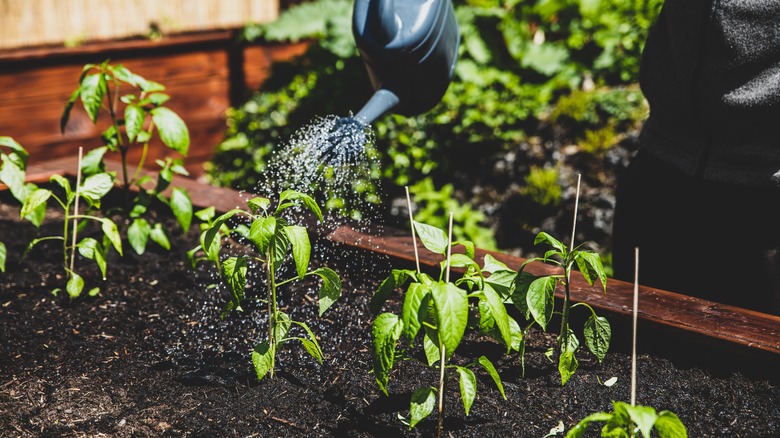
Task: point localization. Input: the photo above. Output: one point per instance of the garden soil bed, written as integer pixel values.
(151, 356)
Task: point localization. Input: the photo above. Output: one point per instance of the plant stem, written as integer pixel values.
(271, 309)
(441, 389)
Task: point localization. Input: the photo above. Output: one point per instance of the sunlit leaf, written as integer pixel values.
(668, 425)
(452, 308)
(421, 405)
(92, 90)
(433, 238)
(488, 366)
(301, 247)
(386, 330)
(138, 235)
(262, 359)
(134, 121)
(540, 300)
(173, 131)
(330, 290)
(262, 232)
(468, 387)
(158, 236)
(181, 206)
(415, 309)
(597, 333)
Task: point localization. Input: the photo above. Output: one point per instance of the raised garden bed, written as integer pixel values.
(150, 355)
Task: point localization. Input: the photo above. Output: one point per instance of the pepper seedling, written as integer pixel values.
(273, 239)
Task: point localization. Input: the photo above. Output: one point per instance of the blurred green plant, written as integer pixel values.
(541, 185)
(434, 207)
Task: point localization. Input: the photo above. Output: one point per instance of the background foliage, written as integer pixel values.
(543, 90)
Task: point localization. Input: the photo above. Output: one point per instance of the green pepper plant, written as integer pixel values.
(534, 297)
(92, 189)
(273, 239)
(627, 421)
(135, 116)
(437, 310)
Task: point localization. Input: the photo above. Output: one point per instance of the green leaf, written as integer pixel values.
(396, 279)
(158, 236)
(181, 205)
(312, 349)
(122, 73)
(68, 107)
(330, 291)
(567, 362)
(138, 235)
(278, 249)
(550, 240)
(421, 405)
(92, 162)
(234, 272)
(3, 255)
(643, 416)
(94, 187)
(12, 175)
(541, 300)
(262, 359)
(589, 264)
(134, 120)
(597, 333)
(386, 330)
(452, 313)
(173, 131)
(301, 247)
(503, 282)
(488, 366)
(415, 309)
(498, 312)
(292, 195)
(257, 203)
(578, 431)
(432, 354)
(92, 90)
(432, 238)
(34, 200)
(75, 284)
(112, 233)
(281, 327)
(468, 387)
(519, 293)
(211, 233)
(93, 250)
(158, 99)
(262, 232)
(458, 260)
(668, 425)
(312, 341)
(493, 265)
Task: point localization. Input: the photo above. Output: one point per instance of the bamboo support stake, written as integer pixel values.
(576, 207)
(411, 224)
(76, 211)
(633, 341)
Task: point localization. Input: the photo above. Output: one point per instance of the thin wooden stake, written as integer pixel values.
(633, 342)
(576, 207)
(411, 224)
(76, 212)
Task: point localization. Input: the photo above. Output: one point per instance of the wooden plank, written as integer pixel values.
(714, 322)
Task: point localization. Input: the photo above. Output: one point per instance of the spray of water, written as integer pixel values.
(330, 159)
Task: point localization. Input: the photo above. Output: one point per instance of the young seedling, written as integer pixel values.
(135, 116)
(273, 238)
(534, 297)
(626, 420)
(91, 189)
(437, 310)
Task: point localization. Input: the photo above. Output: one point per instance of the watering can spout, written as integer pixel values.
(381, 102)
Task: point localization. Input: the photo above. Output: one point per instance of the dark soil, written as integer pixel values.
(150, 356)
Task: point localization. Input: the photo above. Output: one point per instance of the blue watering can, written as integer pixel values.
(409, 49)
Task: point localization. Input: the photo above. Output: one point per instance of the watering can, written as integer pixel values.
(409, 49)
